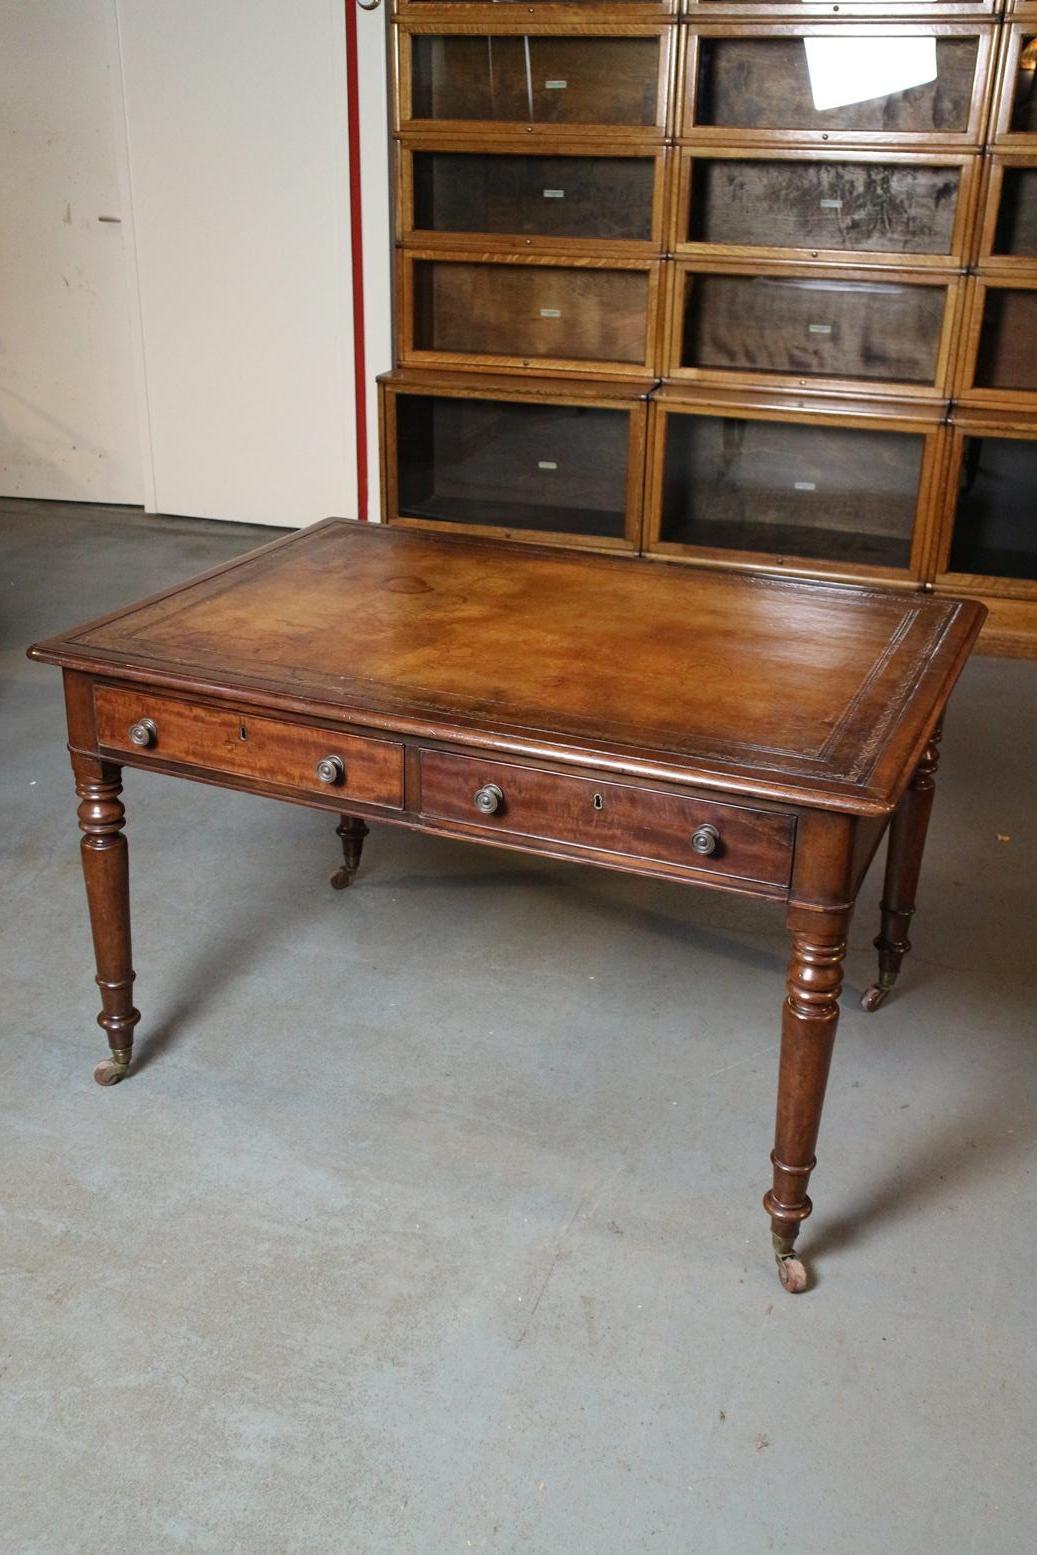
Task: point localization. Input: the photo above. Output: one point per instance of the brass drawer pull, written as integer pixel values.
(489, 799)
(705, 840)
(144, 732)
(331, 769)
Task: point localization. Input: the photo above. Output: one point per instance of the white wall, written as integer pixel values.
(68, 398)
(197, 359)
(236, 129)
(373, 61)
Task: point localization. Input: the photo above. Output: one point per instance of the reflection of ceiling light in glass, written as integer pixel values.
(1028, 57)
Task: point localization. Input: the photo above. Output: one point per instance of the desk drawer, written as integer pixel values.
(643, 823)
(267, 749)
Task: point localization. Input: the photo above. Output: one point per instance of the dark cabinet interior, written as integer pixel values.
(774, 83)
(535, 79)
(824, 492)
(995, 524)
(539, 467)
(578, 197)
(904, 208)
(811, 326)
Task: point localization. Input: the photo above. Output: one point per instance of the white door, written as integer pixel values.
(69, 427)
(371, 226)
(236, 120)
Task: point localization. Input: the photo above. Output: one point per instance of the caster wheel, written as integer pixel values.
(792, 1274)
(341, 879)
(872, 997)
(108, 1072)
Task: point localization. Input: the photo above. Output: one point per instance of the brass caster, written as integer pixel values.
(109, 1071)
(342, 878)
(792, 1273)
(877, 994)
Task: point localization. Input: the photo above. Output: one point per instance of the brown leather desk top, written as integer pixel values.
(816, 693)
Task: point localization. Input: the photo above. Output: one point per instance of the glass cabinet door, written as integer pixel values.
(599, 198)
(1007, 351)
(867, 207)
(1015, 229)
(787, 489)
(995, 526)
(1019, 100)
(528, 312)
(543, 80)
(552, 468)
(916, 85)
(813, 327)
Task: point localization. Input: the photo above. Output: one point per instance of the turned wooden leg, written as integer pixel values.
(903, 864)
(809, 1020)
(106, 873)
(352, 830)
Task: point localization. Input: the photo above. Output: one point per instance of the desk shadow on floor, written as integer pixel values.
(940, 1167)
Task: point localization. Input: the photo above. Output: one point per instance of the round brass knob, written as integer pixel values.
(489, 799)
(331, 769)
(144, 733)
(705, 839)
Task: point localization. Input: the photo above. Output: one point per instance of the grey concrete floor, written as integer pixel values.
(430, 1222)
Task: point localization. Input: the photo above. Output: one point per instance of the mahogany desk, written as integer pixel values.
(711, 728)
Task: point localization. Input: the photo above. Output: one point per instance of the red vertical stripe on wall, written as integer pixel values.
(356, 232)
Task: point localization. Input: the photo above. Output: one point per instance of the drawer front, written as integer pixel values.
(267, 749)
(641, 823)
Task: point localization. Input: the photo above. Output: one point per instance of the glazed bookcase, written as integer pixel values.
(668, 284)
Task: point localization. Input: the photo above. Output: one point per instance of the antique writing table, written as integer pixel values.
(744, 733)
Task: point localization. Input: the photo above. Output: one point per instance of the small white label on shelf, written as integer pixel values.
(554, 194)
(819, 329)
(556, 86)
(546, 464)
(805, 486)
(831, 205)
(550, 313)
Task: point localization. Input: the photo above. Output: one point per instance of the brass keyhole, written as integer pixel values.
(242, 732)
(599, 802)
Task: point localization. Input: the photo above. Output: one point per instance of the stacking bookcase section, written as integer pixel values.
(812, 327)
(609, 82)
(836, 488)
(574, 12)
(860, 10)
(560, 461)
(580, 197)
(1015, 116)
(553, 313)
(801, 83)
(1008, 229)
(987, 543)
(863, 207)
(998, 363)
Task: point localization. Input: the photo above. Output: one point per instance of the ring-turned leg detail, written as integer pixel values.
(352, 831)
(907, 832)
(809, 1020)
(106, 875)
